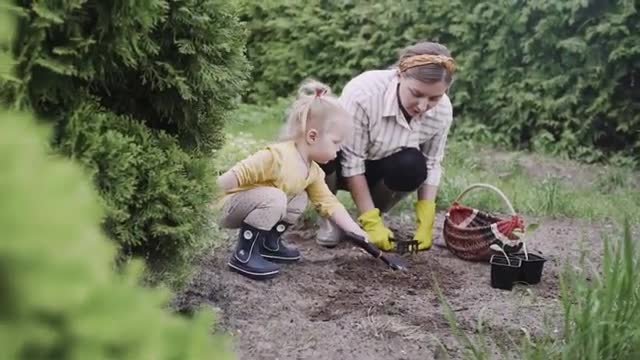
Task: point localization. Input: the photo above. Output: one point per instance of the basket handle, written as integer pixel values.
(490, 187)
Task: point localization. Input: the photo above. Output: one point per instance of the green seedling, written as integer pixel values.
(521, 236)
(495, 247)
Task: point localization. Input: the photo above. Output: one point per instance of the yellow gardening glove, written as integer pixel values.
(425, 217)
(379, 234)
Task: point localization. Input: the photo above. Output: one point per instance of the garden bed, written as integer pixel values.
(341, 303)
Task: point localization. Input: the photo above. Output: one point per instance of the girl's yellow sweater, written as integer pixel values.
(277, 166)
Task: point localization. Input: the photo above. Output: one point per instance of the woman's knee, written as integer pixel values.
(405, 170)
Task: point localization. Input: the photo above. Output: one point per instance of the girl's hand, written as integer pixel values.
(358, 231)
(344, 221)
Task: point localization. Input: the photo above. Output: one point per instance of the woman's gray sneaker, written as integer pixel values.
(329, 234)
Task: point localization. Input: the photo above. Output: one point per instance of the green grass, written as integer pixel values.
(611, 197)
(542, 197)
(601, 313)
(263, 123)
(602, 317)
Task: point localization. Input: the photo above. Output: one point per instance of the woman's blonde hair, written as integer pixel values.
(315, 104)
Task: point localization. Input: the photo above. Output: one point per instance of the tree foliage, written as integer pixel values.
(138, 91)
(173, 65)
(125, 157)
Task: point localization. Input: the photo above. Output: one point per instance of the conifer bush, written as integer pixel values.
(60, 296)
(139, 92)
(173, 65)
(125, 156)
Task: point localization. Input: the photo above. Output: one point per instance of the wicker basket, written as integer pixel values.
(469, 232)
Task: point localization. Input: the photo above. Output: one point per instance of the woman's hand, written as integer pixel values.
(370, 217)
(425, 216)
(380, 235)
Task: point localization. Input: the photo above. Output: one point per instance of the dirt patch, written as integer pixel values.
(341, 303)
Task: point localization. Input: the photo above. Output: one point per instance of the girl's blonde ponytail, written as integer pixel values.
(314, 88)
(314, 99)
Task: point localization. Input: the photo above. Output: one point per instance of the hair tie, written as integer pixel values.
(320, 92)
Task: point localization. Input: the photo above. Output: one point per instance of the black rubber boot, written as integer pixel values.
(273, 249)
(246, 259)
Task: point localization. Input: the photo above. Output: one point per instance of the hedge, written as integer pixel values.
(561, 76)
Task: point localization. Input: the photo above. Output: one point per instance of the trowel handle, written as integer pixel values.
(395, 264)
(362, 243)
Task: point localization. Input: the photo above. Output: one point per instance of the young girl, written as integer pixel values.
(268, 191)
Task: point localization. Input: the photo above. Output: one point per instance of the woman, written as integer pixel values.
(401, 120)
